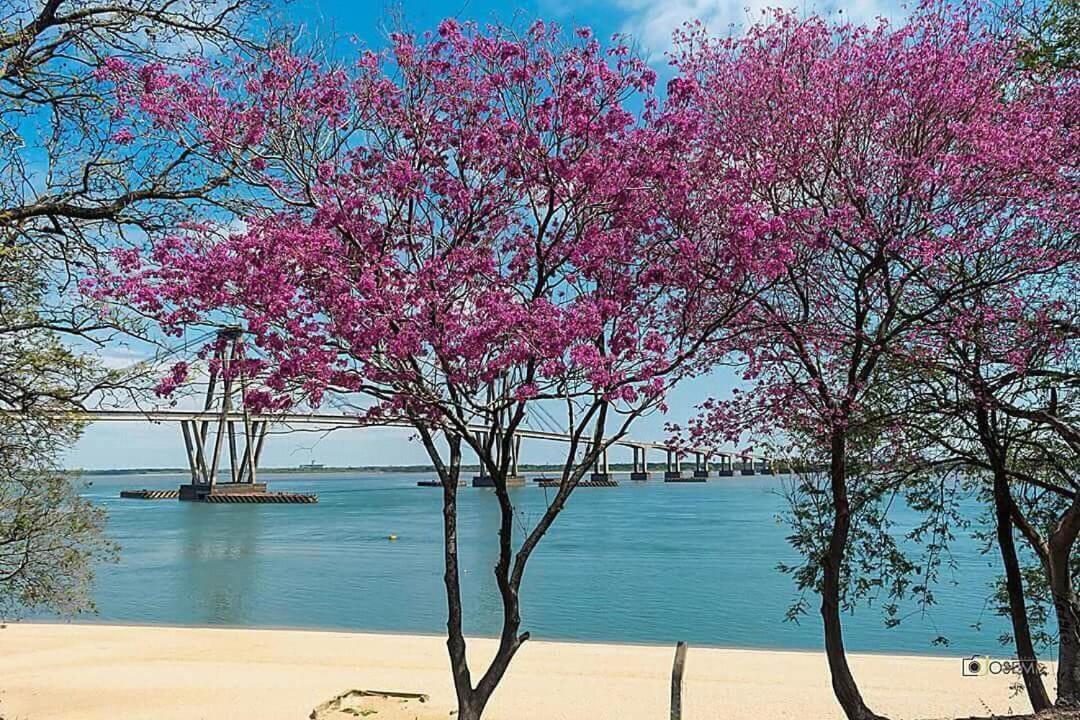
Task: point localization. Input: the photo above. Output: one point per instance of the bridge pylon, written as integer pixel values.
(513, 477)
(224, 408)
(204, 460)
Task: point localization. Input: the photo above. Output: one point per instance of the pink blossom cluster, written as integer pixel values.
(472, 207)
(477, 207)
(921, 188)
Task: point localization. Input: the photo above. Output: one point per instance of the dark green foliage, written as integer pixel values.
(50, 538)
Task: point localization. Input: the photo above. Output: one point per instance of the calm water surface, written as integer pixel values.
(649, 562)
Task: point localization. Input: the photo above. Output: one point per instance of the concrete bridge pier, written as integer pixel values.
(701, 466)
(601, 475)
(513, 477)
(747, 465)
(640, 471)
(699, 474)
(726, 469)
(204, 479)
(673, 471)
(601, 469)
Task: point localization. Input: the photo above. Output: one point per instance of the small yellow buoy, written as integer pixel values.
(391, 537)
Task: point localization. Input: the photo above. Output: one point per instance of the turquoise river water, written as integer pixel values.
(651, 562)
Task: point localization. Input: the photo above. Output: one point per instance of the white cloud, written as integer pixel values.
(651, 23)
(120, 358)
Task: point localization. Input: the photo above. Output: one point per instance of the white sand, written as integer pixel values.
(99, 672)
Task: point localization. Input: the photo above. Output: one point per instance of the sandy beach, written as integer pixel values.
(101, 672)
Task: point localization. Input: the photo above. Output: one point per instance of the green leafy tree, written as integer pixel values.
(50, 537)
(71, 188)
(1053, 29)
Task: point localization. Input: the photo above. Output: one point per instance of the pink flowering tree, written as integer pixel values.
(467, 227)
(889, 156)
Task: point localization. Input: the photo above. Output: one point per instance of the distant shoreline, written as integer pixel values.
(397, 469)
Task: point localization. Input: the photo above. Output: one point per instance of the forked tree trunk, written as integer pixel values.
(843, 682)
(473, 700)
(509, 638)
(495, 672)
(509, 569)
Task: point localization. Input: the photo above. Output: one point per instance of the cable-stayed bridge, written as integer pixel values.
(224, 442)
(207, 460)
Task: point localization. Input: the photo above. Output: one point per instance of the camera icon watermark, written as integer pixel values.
(979, 665)
(976, 665)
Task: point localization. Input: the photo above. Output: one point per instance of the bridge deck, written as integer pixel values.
(351, 421)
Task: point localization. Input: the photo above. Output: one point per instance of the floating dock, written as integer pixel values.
(483, 481)
(150, 494)
(582, 483)
(253, 493)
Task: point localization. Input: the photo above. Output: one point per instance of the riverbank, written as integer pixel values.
(105, 672)
(466, 470)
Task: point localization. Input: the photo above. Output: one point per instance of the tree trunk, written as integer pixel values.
(1014, 585)
(843, 682)
(1014, 581)
(509, 639)
(508, 571)
(498, 667)
(455, 637)
(1066, 606)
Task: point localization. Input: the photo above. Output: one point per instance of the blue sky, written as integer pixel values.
(648, 23)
